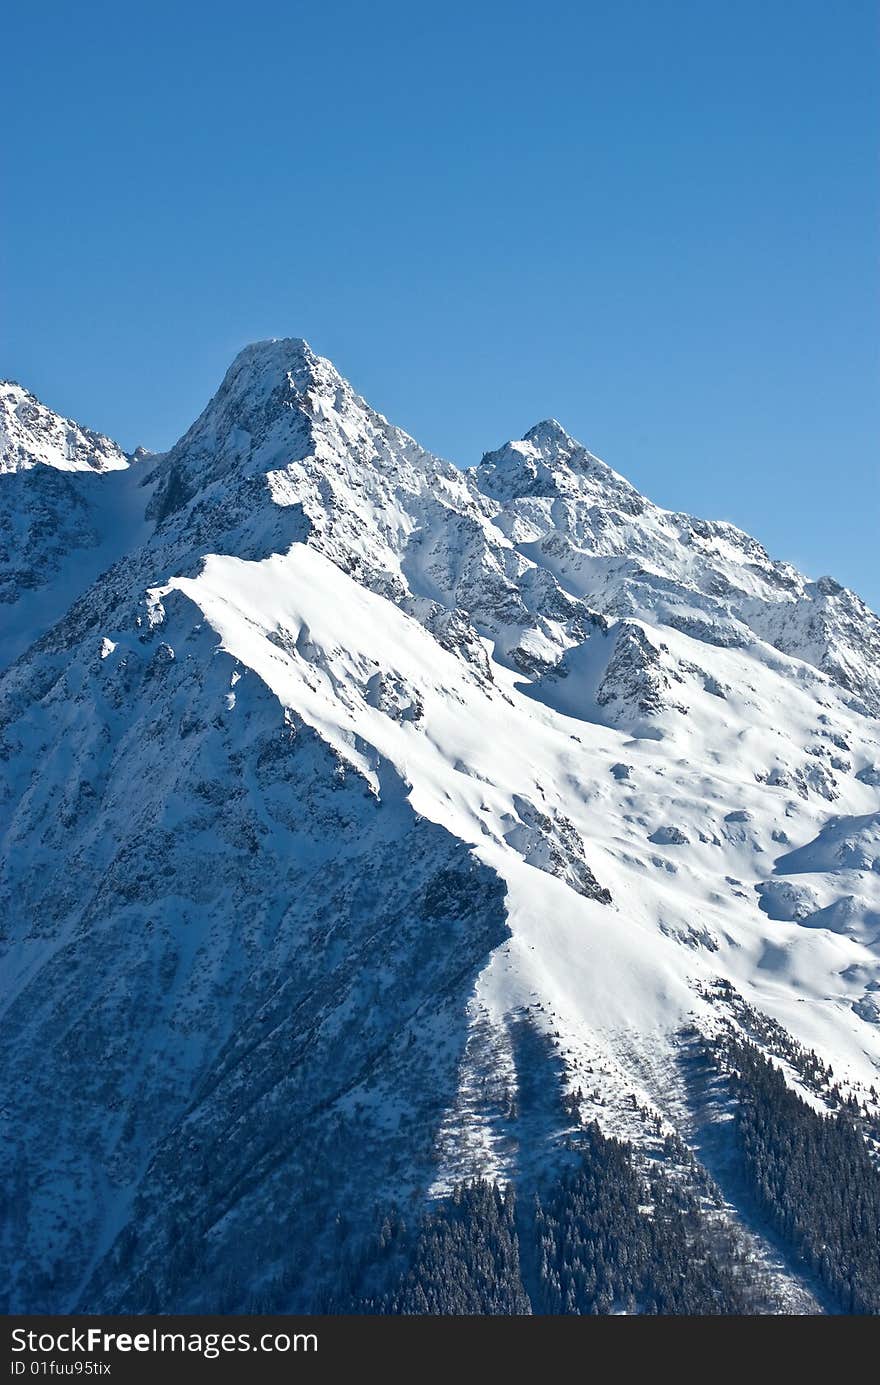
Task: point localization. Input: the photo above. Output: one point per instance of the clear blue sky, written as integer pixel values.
(656, 220)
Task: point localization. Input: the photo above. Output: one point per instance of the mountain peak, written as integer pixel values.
(262, 367)
(294, 352)
(274, 399)
(31, 434)
(549, 430)
(266, 380)
(536, 464)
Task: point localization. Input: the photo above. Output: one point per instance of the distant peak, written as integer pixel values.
(542, 452)
(32, 434)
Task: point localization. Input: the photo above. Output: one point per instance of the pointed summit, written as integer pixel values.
(274, 373)
(266, 363)
(539, 463)
(257, 419)
(551, 431)
(548, 461)
(285, 429)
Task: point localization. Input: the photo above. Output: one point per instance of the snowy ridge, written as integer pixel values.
(31, 435)
(566, 509)
(423, 756)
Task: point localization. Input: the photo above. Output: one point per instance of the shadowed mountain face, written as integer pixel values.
(337, 779)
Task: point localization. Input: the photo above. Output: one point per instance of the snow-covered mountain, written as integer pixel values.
(353, 802)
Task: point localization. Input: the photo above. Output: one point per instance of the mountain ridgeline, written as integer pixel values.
(423, 889)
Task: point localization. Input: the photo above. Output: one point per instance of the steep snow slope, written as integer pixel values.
(355, 767)
(679, 848)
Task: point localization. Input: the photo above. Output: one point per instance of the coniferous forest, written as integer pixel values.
(612, 1233)
(611, 1239)
(812, 1176)
(602, 1238)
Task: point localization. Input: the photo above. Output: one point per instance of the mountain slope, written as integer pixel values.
(70, 506)
(362, 801)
